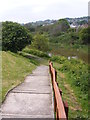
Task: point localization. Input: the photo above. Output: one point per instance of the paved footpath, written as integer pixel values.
(31, 99)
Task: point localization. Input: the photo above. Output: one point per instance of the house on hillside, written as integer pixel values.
(84, 26)
(73, 26)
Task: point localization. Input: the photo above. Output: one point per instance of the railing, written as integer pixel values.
(60, 107)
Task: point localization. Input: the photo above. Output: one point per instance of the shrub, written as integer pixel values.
(76, 71)
(84, 35)
(36, 52)
(14, 36)
(59, 59)
(40, 42)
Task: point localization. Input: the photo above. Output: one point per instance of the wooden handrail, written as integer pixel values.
(59, 107)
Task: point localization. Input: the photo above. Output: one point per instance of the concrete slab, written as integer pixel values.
(31, 99)
(28, 104)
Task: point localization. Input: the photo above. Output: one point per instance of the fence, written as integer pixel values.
(60, 107)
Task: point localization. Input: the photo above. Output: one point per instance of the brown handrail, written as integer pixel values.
(59, 106)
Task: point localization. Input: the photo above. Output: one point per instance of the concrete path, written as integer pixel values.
(31, 99)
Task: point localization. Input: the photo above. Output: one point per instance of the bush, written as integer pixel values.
(36, 52)
(76, 71)
(60, 26)
(14, 36)
(84, 35)
(59, 59)
(40, 42)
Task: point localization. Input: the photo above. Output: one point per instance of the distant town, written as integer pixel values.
(74, 22)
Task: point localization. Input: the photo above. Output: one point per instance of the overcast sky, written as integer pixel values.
(23, 11)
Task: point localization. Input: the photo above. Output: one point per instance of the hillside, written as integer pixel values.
(14, 69)
(75, 21)
(66, 36)
(72, 72)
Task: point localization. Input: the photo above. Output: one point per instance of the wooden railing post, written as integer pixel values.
(66, 108)
(60, 92)
(55, 105)
(55, 75)
(57, 117)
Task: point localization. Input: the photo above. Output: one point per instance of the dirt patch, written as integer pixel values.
(62, 75)
(71, 96)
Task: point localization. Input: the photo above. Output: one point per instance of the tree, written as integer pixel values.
(14, 36)
(30, 27)
(84, 35)
(61, 26)
(40, 42)
(64, 25)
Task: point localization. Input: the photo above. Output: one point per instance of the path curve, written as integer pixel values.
(31, 99)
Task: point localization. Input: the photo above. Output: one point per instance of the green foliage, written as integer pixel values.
(69, 37)
(60, 31)
(64, 24)
(84, 35)
(14, 36)
(33, 59)
(77, 72)
(77, 101)
(30, 27)
(36, 52)
(76, 75)
(40, 42)
(59, 59)
(61, 26)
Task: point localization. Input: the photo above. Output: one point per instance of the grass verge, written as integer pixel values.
(14, 70)
(73, 80)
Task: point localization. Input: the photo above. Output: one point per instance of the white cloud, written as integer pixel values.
(31, 10)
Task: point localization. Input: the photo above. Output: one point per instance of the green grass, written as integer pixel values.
(81, 51)
(72, 77)
(36, 52)
(73, 80)
(35, 58)
(14, 70)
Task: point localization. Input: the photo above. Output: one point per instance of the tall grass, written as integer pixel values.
(76, 75)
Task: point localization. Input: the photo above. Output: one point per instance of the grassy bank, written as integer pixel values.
(36, 52)
(14, 70)
(73, 80)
